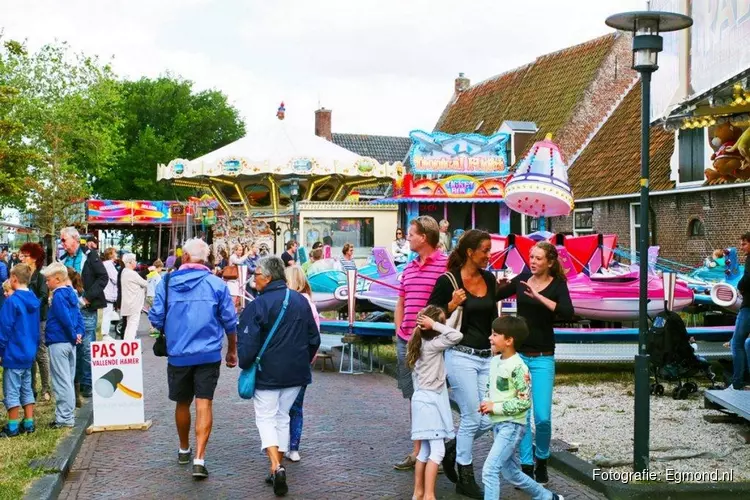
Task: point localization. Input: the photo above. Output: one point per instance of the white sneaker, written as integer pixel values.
(293, 456)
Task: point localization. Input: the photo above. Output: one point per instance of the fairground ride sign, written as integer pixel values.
(446, 154)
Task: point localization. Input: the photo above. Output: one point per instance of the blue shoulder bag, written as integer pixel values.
(246, 382)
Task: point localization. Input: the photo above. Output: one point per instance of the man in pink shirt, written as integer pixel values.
(417, 283)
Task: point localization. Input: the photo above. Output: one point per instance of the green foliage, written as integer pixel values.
(69, 108)
(164, 119)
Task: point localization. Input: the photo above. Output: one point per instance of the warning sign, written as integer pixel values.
(117, 374)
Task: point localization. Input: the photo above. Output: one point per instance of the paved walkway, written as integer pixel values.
(356, 427)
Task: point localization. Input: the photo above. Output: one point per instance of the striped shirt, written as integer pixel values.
(416, 287)
(347, 265)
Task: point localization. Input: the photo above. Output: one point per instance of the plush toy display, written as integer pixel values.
(727, 163)
(743, 147)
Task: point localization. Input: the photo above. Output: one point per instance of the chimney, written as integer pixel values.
(462, 83)
(323, 123)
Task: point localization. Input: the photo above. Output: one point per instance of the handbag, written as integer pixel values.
(455, 319)
(230, 273)
(246, 382)
(160, 344)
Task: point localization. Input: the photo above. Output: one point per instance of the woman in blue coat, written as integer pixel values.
(285, 364)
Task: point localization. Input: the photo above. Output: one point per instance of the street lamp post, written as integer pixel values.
(294, 194)
(647, 43)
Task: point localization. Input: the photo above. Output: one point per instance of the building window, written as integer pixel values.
(696, 229)
(692, 154)
(583, 221)
(635, 229)
(360, 232)
(531, 224)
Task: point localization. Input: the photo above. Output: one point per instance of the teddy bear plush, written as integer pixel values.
(727, 163)
(742, 146)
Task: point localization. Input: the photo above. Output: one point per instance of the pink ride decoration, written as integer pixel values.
(539, 187)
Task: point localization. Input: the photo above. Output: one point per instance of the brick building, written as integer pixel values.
(589, 99)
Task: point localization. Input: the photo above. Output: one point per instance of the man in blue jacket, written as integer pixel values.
(199, 312)
(19, 341)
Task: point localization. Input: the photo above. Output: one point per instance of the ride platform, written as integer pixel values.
(737, 402)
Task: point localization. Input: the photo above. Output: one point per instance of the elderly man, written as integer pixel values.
(87, 263)
(417, 282)
(199, 312)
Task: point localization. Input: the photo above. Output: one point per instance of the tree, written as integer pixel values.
(69, 104)
(164, 119)
(15, 153)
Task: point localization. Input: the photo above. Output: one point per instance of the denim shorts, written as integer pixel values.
(405, 382)
(17, 387)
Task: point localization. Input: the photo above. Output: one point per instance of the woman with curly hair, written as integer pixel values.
(32, 254)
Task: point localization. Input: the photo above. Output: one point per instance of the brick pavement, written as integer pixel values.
(356, 427)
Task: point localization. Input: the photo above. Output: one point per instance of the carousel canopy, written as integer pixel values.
(279, 150)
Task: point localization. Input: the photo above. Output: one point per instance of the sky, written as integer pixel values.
(383, 66)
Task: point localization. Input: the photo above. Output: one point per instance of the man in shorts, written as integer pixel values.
(417, 282)
(199, 312)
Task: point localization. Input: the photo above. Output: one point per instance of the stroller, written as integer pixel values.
(672, 356)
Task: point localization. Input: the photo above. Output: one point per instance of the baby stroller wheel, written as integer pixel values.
(691, 386)
(680, 393)
(659, 390)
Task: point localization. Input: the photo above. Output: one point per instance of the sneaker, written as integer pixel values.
(449, 461)
(184, 458)
(293, 456)
(7, 433)
(407, 464)
(280, 487)
(58, 425)
(555, 496)
(269, 479)
(200, 471)
(27, 429)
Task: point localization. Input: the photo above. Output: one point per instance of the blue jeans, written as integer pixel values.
(503, 459)
(468, 376)
(739, 348)
(62, 368)
(542, 371)
(296, 418)
(83, 351)
(17, 387)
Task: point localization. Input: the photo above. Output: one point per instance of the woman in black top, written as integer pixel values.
(32, 254)
(540, 296)
(468, 364)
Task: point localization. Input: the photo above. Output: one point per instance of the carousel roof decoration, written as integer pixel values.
(446, 154)
(271, 157)
(540, 188)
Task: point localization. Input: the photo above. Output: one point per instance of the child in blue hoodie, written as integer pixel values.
(19, 341)
(63, 331)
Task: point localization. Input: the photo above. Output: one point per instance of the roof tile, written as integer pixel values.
(610, 163)
(385, 149)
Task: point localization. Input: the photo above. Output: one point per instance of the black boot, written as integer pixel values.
(467, 485)
(449, 461)
(528, 470)
(540, 472)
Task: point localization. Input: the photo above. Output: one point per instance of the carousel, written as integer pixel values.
(258, 181)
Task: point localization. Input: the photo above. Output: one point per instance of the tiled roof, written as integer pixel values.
(611, 163)
(383, 148)
(545, 92)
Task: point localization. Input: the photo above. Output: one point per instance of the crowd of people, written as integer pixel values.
(448, 335)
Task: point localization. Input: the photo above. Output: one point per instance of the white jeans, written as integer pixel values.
(272, 416)
(107, 318)
(131, 327)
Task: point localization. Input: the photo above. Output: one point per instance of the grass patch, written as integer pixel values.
(17, 452)
(565, 373)
(593, 373)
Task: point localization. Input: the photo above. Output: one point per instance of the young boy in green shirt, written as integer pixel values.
(507, 401)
